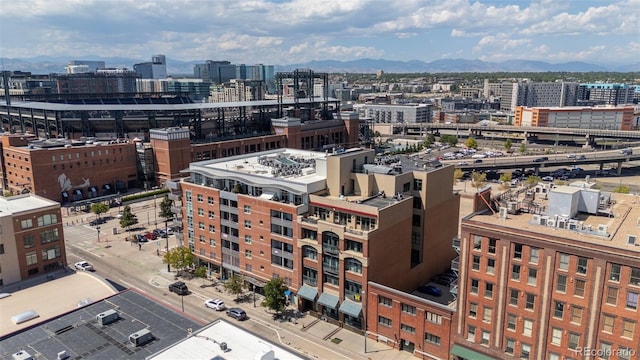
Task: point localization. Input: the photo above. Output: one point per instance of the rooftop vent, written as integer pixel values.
(22, 355)
(107, 317)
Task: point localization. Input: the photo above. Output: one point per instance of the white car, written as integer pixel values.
(215, 304)
(84, 266)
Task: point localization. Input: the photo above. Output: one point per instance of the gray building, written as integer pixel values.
(606, 94)
(216, 72)
(384, 113)
(155, 69)
(538, 94)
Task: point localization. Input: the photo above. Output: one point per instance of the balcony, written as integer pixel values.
(309, 220)
(330, 249)
(456, 244)
(455, 264)
(330, 268)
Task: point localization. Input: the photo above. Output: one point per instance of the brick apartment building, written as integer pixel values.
(67, 171)
(550, 276)
(31, 238)
(326, 223)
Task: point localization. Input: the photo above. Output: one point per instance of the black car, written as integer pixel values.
(477, 161)
(179, 288)
(237, 313)
(97, 222)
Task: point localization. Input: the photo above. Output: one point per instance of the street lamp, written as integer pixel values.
(155, 212)
(98, 230)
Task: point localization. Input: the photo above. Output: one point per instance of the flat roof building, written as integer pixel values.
(576, 117)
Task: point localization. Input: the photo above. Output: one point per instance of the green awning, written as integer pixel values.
(307, 292)
(468, 354)
(351, 308)
(328, 300)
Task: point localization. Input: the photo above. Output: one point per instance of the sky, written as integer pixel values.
(297, 31)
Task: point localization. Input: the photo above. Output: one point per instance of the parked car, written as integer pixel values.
(541, 159)
(151, 236)
(627, 151)
(477, 161)
(430, 290)
(571, 156)
(140, 238)
(179, 288)
(215, 304)
(463, 163)
(160, 233)
(97, 222)
(237, 314)
(547, 178)
(83, 266)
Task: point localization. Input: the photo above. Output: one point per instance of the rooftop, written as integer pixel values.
(21, 203)
(610, 220)
(238, 345)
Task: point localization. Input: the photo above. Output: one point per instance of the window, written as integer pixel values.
(635, 277)
(47, 219)
(605, 350)
(515, 272)
(487, 314)
(247, 239)
(247, 209)
(488, 290)
(309, 253)
(561, 284)
(576, 315)
(556, 336)
(614, 273)
(491, 266)
(417, 184)
(511, 322)
(434, 318)
(486, 336)
(473, 310)
(533, 277)
(525, 351)
(527, 327)
(628, 328)
(26, 224)
(471, 333)
(513, 297)
(632, 300)
(247, 224)
(212, 214)
(612, 295)
(200, 212)
(574, 339)
(408, 309)
(384, 321)
(531, 299)
(200, 225)
(563, 263)
(492, 246)
(433, 339)
(517, 251)
(210, 200)
(578, 290)
(510, 346)
(49, 236)
(212, 228)
(351, 245)
(32, 258)
(29, 241)
(247, 254)
(477, 242)
(407, 328)
(201, 239)
(383, 300)
(625, 353)
(475, 265)
(200, 198)
(582, 266)
(534, 255)
(474, 286)
(553, 356)
(558, 309)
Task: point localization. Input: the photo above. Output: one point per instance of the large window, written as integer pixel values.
(607, 323)
(47, 219)
(433, 339)
(32, 258)
(474, 286)
(309, 252)
(515, 272)
(582, 266)
(563, 262)
(628, 328)
(556, 336)
(29, 241)
(580, 285)
(281, 254)
(558, 310)
(384, 321)
(434, 318)
(408, 329)
(51, 253)
(612, 296)
(353, 265)
(527, 327)
(408, 309)
(574, 340)
(383, 300)
(473, 310)
(561, 283)
(517, 251)
(635, 277)
(632, 300)
(351, 245)
(614, 273)
(511, 322)
(48, 236)
(513, 297)
(26, 224)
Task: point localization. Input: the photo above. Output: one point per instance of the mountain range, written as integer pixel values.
(46, 65)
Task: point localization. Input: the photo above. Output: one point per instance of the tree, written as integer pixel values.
(165, 208)
(430, 139)
(235, 285)
(508, 145)
(478, 179)
(201, 272)
(471, 143)
(532, 180)
(128, 219)
(274, 297)
(523, 148)
(622, 189)
(457, 175)
(449, 139)
(180, 257)
(505, 179)
(99, 208)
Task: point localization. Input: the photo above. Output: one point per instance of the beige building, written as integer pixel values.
(31, 238)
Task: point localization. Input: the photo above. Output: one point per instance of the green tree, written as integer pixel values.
(478, 179)
(523, 148)
(532, 180)
(201, 272)
(449, 139)
(508, 145)
(235, 285)
(505, 179)
(99, 208)
(274, 297)
(430, 139)
(471, 143)
(128, 219)
(180, 258)
(457, 175)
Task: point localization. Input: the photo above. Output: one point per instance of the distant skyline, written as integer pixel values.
(297, 31)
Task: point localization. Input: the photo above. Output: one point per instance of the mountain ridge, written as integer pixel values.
(56, 64)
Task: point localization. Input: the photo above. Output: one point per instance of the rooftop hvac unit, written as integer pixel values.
(22, 355)
(631, 240)
(62, 355)
(536, 219)
(551, 223)
(503, 213)
(141, 337)
(107, 317)
(602, 229)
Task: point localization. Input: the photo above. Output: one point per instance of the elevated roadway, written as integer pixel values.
(522, 162)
